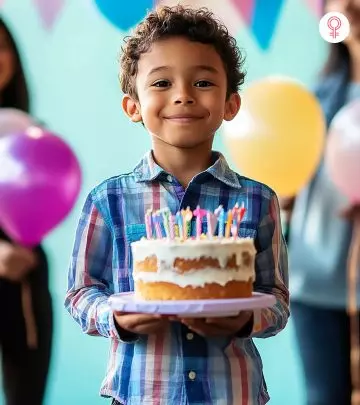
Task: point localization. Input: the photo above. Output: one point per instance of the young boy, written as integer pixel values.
(180, 72)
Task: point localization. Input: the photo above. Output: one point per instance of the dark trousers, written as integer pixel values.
(25, 369)
(323, 337)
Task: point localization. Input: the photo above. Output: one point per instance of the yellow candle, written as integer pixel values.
(228, 224)
(186, 215)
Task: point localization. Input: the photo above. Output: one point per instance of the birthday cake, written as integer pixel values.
(177, 266)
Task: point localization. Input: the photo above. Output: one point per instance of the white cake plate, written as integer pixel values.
(126, 302)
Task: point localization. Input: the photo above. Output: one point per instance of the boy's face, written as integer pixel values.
(181, 87)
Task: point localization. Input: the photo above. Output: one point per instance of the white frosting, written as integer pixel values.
(167, 251)
(196, 278)
(222, 249)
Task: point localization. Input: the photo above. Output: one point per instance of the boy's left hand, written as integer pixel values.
(218, 326)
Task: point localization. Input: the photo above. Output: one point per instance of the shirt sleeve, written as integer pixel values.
(271, 265)
(90, 280)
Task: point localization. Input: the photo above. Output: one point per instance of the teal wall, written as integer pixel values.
(73, 76)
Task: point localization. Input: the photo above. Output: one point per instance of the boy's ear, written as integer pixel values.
(232, 106)
(131, 108)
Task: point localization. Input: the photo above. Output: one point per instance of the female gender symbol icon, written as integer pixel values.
(334, 27)
(339, 27)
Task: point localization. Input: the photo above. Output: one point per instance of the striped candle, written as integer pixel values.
(220, 213)
(211, 223)
(157, 223)
(179, 223)
(172, 226)
(148, 224)
(199, 213)
(165, 212)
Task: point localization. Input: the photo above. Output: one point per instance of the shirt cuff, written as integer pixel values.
(256, 321)
(120, 334)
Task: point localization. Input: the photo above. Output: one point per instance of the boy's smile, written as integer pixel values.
(182, 93)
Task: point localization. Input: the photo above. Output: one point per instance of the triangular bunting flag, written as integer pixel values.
(245, 7)
(49, 11)
(316, 6)
(264, 20)
(261, 17)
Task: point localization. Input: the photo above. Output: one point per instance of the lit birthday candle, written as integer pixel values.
(187, 216)
(165, 212)
(172, 226)
(157, 223)
(179, 223)
(148, 223)
(238, 214)
(220, 214)
(211, 223)
(242, 212)
(199, 213)
(235, 224)
(228, 224)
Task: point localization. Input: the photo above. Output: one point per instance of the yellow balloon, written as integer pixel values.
(278, 136)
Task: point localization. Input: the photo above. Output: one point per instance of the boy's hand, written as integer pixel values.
(218, 326)
(141, 324)
(15, 261)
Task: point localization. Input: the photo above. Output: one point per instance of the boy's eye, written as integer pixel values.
(203, 83)
(161, 83)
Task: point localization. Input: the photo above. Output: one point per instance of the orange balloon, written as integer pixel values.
(278, 136)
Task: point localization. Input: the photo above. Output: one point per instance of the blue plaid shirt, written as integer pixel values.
(177, 366)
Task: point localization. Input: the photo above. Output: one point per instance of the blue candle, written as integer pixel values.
(220, 213)
(179, 223)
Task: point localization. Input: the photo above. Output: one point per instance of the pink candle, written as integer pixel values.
(199, 213)
(211, 223)
(238, 214)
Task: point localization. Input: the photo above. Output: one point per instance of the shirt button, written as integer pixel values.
(192, 375)
(189, 336)
(169, 178)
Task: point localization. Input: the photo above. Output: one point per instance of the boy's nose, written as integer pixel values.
(184, 100)
(183, 95)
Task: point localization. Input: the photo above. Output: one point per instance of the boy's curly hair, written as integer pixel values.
(199, 25)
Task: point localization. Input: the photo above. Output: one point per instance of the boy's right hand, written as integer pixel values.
(141, 324)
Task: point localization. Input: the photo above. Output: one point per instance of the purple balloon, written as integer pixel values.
(40, 180)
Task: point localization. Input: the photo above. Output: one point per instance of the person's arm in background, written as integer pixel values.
(16, 262)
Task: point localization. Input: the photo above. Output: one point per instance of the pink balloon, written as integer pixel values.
(343, 151)
(40, 179)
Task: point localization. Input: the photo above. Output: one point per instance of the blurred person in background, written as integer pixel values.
(26, 324)
(319, 240)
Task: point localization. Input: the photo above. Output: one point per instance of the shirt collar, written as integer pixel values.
(148, 170)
